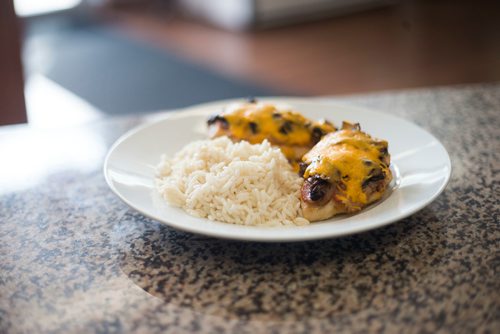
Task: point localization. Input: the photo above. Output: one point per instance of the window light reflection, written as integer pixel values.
(37, 7)
(54, 141)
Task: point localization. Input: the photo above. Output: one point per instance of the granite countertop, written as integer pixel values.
(74, 258)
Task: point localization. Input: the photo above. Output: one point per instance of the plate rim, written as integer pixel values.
(198, 109)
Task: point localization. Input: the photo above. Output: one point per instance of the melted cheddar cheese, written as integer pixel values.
(347, 158)
(255, 122)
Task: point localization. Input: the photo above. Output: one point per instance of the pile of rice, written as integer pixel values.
(237, 183)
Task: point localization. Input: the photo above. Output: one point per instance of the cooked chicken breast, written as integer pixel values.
(254, 121)
(344, 172)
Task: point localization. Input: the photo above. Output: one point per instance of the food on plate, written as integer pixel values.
(247, 172)
(343, 173)
(257, 121)
(232, 182)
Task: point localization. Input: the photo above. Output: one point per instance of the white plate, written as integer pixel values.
(420, 164)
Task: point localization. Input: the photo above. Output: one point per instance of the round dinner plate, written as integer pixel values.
(419, 162)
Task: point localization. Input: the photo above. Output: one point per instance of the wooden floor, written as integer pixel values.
(413, 44)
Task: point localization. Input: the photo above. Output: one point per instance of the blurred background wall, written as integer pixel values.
(106, 57)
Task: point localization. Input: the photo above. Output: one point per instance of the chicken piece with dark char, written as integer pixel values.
(257, 121)
(346, 171)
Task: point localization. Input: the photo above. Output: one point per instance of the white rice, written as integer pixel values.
(236, 183)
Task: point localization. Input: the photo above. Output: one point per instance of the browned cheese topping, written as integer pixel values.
(351, 161)
(254, 122)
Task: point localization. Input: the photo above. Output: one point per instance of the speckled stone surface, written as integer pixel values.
(74, 258)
